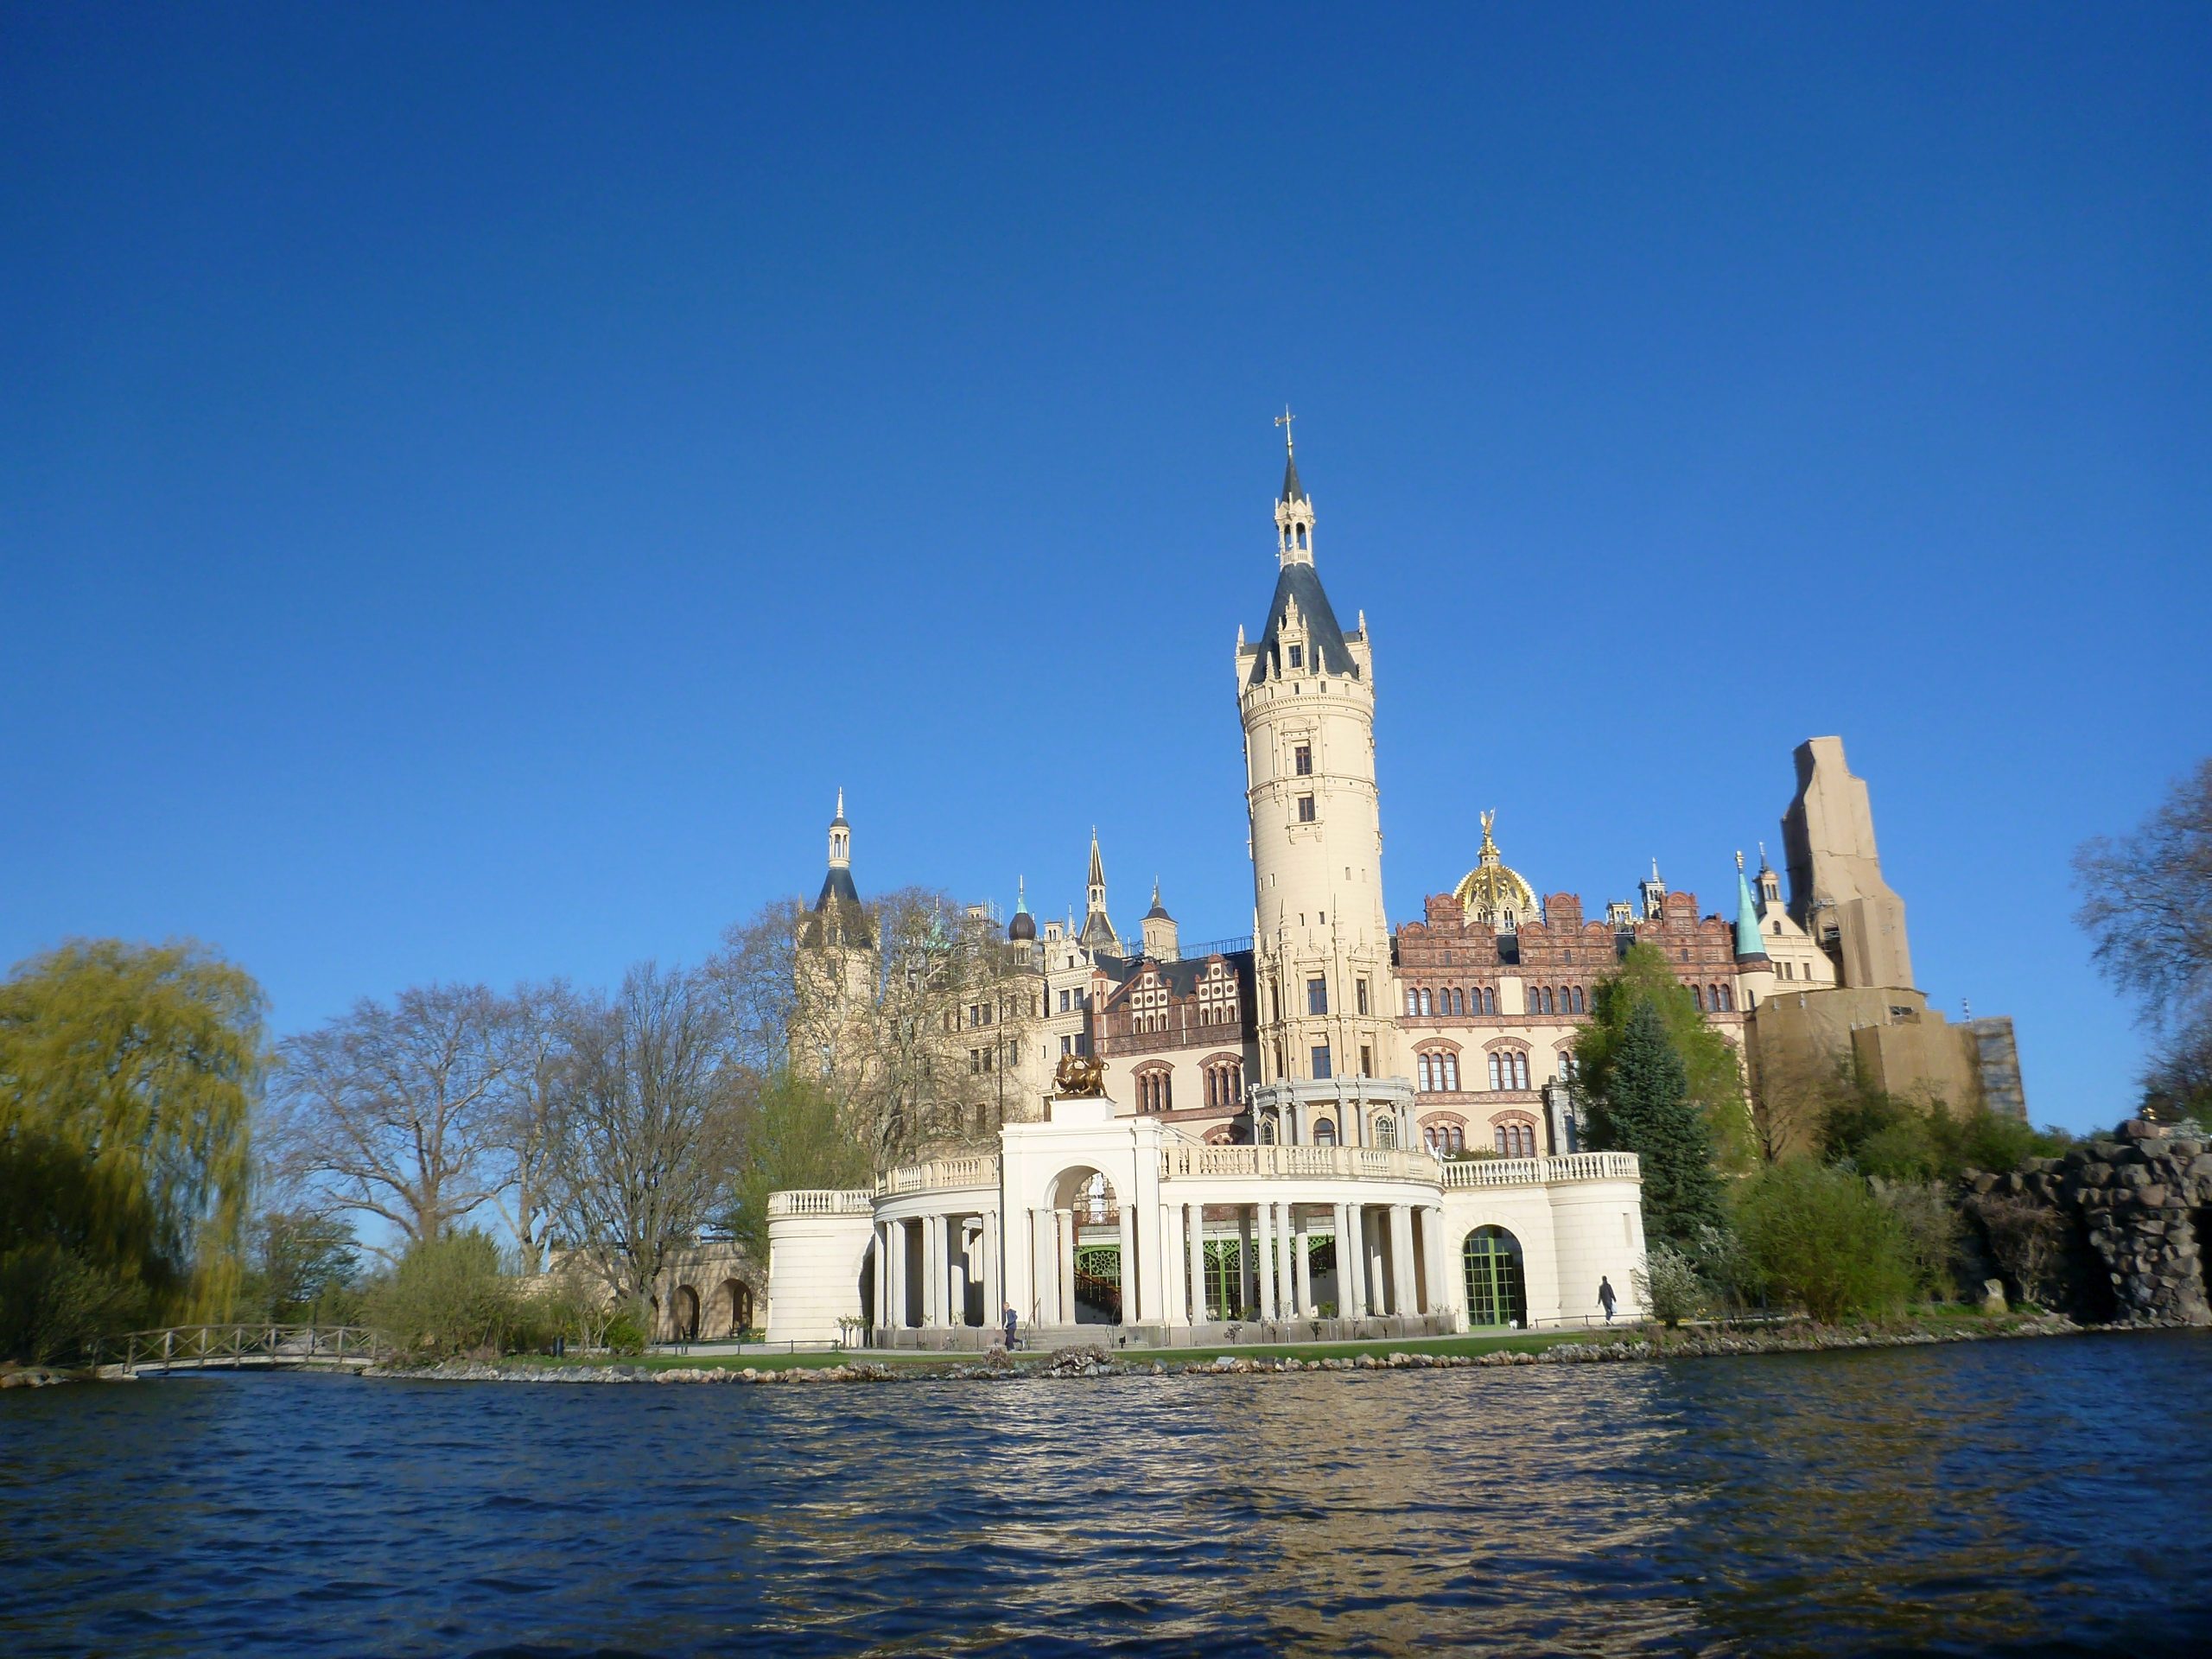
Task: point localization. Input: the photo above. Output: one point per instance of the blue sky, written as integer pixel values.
(474, 482)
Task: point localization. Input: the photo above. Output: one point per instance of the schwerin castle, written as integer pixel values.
(1333, 1127)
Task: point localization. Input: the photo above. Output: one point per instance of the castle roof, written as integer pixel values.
(1330, 655)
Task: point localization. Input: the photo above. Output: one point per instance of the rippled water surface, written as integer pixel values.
(2014, 1496)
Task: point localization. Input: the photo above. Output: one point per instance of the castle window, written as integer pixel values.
(1425, 1005)
(1426, 1083)
(1324, 1133)
(1490, 999)
(1722, 1001)
(1317, 996)
(1306, 808)
(1298, 655)
(1496, 1073)
(1360, 987)
(1413, 1000)
(1321, 1071)
(1386, 1131)
(1302, 759)
(1366, 1061)
(1697, 997)
(1577, 992)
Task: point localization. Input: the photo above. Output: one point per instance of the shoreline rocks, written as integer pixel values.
(1088, 1361)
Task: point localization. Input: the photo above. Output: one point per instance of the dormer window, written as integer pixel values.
(1298, 655)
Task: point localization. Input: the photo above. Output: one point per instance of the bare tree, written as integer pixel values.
(540, 1018)
(393, 1111)
(2147, 904)
(909, 1010)
(641, 1128)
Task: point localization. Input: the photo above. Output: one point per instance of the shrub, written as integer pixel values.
(1816, 1235)
(624, 1334)
(447, 1296)
(1669, 1285)
(1929, 1225)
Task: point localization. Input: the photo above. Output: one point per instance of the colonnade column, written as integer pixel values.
(1044, 1282)
(1402, 1260)
(1171, 1264)
(1194, 1217)
(1264, 1215)
(1351, 1262)
(1063, 1249)
(1247, 1267)
(932, 1270)
(1432, 1239)
(898, 1305)
(879, 1315)
(1302, 1263)
(1132, 1303)
(993, 1293)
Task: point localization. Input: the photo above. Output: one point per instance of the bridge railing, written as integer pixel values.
(204, 1345)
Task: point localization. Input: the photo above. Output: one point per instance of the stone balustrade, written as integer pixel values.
(940, 1174)
(1522, 1171)
(851, 1201)
(1288, 1162)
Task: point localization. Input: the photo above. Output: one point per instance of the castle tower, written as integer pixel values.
(1321, 947)
(1162, 939)
(1098, 936)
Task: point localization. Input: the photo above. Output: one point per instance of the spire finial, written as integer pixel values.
(1283, 421)
(840, 800)
(1739, 861)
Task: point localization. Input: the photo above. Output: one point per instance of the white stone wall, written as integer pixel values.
(814, 1275)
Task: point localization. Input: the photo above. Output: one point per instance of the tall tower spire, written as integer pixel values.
(1321, 945)
(1293, 508)
(840, 838)
(1097, 928)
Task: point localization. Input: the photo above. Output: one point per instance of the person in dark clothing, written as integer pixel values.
(1009, 1327)
(1605, 1297)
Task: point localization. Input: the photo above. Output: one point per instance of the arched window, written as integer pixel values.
(1324, 1133)
(1413, 1000)
(1579, 1006)
(1455, 1139)
(1425, 1002)
(1428, 1135)
(1459, 1002)
(1727, 999)
(1520, 1068)
(1496, 1075)
(1490, 999)
(1697, 997)
(1424, 1074)
(1386, 1131)
(1452, 1072)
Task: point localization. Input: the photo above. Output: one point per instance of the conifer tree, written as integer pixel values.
(1645, 1107)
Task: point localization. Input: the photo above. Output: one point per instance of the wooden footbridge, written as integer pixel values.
(245, 1348)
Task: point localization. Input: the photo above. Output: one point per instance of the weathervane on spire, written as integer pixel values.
(1283, 421)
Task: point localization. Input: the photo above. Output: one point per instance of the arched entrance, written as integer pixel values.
(1090, 1265)
(1497, 1291)
(683, 1313)
(734, 1306)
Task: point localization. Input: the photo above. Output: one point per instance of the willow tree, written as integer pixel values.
(128, 1079)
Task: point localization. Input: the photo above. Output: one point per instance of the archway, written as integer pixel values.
(683, 1313)
(734, 1306)
(1090, 1265)
(1498, 1290)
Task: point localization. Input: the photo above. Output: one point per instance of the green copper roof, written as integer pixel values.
(1748, 942)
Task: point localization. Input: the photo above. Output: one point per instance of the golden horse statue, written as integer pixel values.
(1079, 1077)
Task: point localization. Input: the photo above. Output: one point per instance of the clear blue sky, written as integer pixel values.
(474, 482)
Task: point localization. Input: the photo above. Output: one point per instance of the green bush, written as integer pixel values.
(448, 1296)
(1818, 1236)
(1669, 1286)
(623, 1335)
(56, 1305)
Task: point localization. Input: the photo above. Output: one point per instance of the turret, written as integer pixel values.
(1321, 946)
(1162, 941)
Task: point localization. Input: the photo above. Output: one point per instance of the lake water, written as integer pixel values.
(2008, 1496)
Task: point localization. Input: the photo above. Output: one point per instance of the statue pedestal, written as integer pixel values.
(1071, 1111)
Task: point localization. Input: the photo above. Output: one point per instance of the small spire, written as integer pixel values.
(1021, 897)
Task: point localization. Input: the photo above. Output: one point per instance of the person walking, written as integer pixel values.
(1605, 1297)
(1009, 1327)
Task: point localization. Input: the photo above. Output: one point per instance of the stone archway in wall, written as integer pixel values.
(1496, 1277)
(1088, 1199)
(683, 1313)
(733, 1310)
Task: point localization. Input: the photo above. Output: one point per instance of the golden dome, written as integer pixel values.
(1493, 891)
